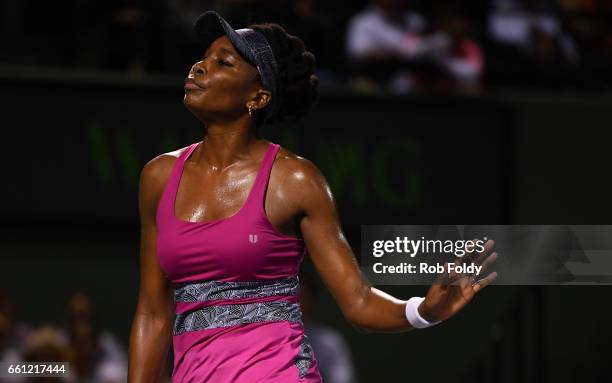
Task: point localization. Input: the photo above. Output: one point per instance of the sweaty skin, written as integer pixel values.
(215, 184)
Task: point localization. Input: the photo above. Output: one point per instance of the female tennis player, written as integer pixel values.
(227, 221)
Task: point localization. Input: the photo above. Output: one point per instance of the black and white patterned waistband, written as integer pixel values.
(215, 290)
(227, 313)
(236, 314)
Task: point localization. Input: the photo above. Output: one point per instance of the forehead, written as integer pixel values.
(224, 45)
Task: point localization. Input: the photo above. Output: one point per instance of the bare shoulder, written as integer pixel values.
(159, 168)
(300, 177)
(154, 176)
(297, 169)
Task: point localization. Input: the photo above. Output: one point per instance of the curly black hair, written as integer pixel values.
(297, 84)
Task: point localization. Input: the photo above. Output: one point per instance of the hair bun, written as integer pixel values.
(297, 84)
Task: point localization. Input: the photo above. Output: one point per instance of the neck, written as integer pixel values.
(226, 144)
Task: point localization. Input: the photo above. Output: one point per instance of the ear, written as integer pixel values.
(260, 100)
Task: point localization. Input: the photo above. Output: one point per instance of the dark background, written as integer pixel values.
(76, 135)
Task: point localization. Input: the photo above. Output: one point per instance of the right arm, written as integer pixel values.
(152, 325)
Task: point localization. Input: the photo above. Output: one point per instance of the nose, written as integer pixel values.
(198, 68)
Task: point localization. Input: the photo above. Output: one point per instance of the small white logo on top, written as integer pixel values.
(253, 238)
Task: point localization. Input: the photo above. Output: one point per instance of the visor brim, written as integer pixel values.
(210, 26)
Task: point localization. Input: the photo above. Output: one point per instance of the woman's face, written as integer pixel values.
(221, 84)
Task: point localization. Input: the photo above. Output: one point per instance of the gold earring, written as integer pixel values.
(250, 111)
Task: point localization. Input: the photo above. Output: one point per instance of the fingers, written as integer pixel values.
(464, 279)
(478, 257)
(488, 261)
(484, 282)
(453, 277)
(484, 266)
(446, 277)
(488, 247)
(469, 253)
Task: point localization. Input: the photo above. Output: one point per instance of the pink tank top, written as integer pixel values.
(242, 247)
(235, 291)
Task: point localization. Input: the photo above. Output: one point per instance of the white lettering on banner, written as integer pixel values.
(413, 247)
(425, 268)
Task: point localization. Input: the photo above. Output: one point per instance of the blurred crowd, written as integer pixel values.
(94, 354)
(398, 45)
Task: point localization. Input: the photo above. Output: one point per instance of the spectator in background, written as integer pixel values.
(45, 345)
(13, 335)
(95, 355)
(332, 351)
(459, 67)
(592, 34)
(387, 44)
(530, 46)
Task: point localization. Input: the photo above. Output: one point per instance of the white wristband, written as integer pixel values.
(413, 316)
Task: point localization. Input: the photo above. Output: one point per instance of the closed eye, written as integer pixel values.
(220, 61)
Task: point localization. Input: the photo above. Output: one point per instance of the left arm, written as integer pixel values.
(363, 305)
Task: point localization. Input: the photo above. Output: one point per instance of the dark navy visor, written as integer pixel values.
(251, 44)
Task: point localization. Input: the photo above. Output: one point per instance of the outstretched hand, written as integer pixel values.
(452, 290)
